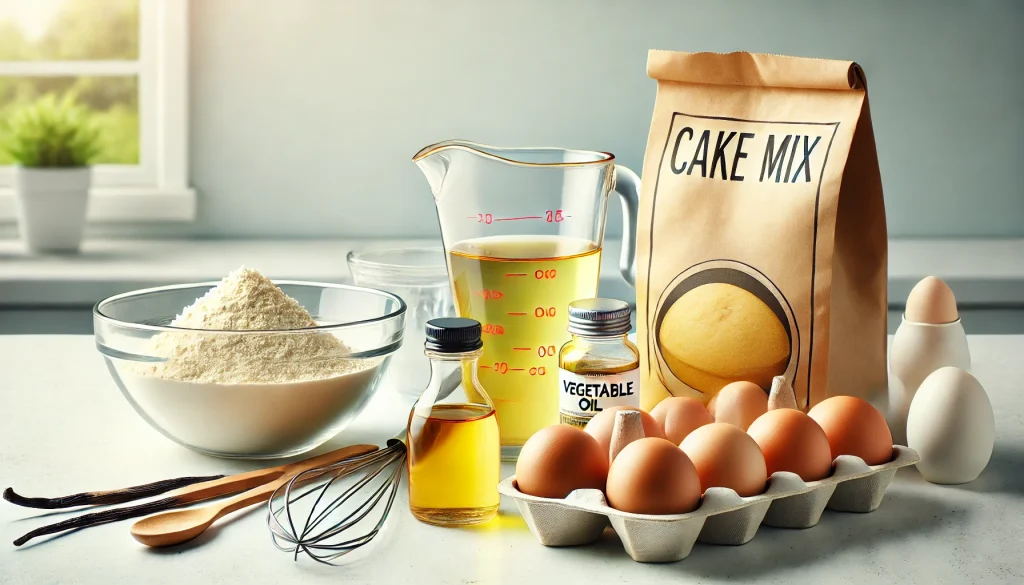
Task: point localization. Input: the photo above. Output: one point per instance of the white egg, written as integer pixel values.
(951, 426)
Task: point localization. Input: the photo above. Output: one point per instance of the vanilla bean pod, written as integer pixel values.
(105, 497)
(104, 517)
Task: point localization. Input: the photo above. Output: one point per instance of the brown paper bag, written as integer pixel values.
(761, 241)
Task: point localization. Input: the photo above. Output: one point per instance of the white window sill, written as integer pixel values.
(124, 204)
(982, 273)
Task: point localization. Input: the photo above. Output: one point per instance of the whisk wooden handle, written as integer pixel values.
(328, 458)
(262, 493)
(246, 481)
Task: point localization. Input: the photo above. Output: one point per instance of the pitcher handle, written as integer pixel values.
(627, 185)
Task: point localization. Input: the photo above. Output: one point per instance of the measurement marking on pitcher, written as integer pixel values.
(550, 216)
(516, 274)
(517, 314)
(546, 350)
(548, 274)
(518, 218)
(522, 348)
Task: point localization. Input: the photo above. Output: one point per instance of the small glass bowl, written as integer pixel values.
(420, 276)
(271, 419)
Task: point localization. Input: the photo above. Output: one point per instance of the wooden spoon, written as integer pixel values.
(178, 526)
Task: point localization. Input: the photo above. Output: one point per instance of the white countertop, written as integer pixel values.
(65, 428)
(981, 272)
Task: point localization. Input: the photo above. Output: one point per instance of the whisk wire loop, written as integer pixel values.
(375, 477)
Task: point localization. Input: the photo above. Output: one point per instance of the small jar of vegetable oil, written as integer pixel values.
(599, 367)
(454, 451)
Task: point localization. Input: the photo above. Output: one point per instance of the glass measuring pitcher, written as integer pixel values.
(523, 230)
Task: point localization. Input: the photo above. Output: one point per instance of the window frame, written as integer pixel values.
(157, 188)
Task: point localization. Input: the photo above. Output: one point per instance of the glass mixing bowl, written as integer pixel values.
(164, 372)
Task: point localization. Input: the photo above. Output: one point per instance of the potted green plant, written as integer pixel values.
(52, 141)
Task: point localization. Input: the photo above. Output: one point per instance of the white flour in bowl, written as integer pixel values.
(249, 395)
(246, 300)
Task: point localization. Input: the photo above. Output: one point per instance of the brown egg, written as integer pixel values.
(559, 459)
(653, 476)
(725, 456)
(739, 403)
(854, 427)
(600, 427)
(791, 441)
(931, 301)
(678, 416)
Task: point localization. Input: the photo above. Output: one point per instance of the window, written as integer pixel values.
(126, 61)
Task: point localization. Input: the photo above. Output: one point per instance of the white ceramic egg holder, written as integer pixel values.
(723, 517)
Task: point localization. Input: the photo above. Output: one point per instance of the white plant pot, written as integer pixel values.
(51, 206)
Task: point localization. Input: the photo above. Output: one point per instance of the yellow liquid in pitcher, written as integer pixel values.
(453, 465)
(519, 288)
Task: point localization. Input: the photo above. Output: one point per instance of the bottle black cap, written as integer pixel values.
(453, 335)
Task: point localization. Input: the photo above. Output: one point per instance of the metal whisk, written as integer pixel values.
(324, 534)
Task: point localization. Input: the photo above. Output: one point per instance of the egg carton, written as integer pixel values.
(723, 517)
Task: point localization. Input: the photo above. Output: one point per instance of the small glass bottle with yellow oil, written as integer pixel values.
(599, 367)
(452, 437)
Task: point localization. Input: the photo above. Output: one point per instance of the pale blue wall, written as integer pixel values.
(305, 113)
